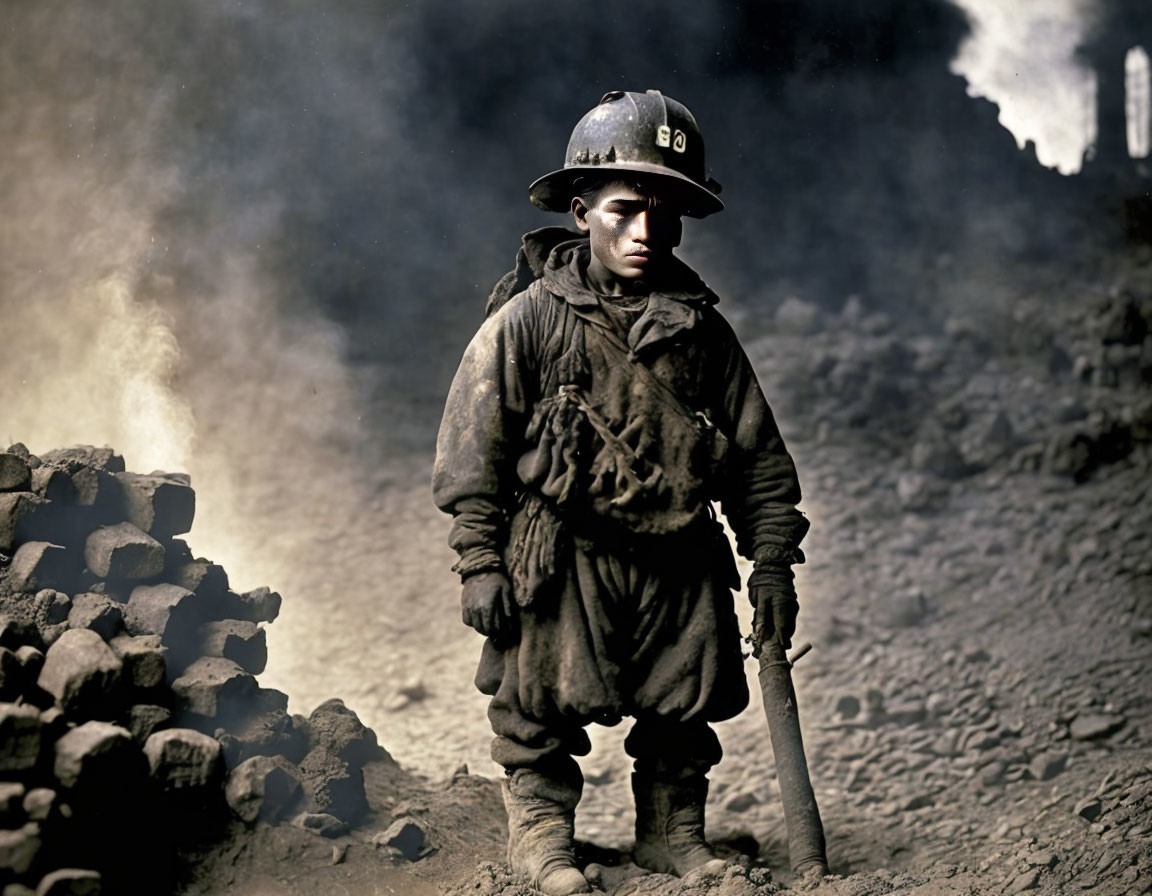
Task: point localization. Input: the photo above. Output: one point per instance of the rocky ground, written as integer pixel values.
(976, 708)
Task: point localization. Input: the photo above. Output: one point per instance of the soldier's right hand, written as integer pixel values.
(488, 606)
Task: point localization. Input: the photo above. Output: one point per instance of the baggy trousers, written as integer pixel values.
(620, 631)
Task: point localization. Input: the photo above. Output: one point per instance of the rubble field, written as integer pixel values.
(976, 708)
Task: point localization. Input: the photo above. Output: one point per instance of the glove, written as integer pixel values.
(488, 606)
(774, 598)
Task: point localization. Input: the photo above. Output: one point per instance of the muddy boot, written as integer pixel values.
(670, 824)
(541, 813)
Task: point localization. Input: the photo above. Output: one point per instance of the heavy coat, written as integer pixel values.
(563, 437)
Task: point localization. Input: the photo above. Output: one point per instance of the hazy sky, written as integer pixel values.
(1021, 56)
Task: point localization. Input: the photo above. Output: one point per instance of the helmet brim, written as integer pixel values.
(553, 192)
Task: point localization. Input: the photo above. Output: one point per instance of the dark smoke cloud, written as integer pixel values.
(367, 163)
(250, 237)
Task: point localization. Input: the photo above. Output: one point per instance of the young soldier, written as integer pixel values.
(598, 413)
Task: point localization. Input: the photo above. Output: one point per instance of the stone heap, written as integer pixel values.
(131, 720)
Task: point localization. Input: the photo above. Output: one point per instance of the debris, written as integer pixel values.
(123, 552)
(322, 823)
(1094, 726)
(405, 839)
(95, 752)
(83, 674)
(157, 503)
(37, 565)
(183, 759)
(265, 788)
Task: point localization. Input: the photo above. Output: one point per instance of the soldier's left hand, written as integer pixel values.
(488, 606)
(775, 614)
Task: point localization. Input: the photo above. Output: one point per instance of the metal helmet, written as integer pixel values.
(644, 133)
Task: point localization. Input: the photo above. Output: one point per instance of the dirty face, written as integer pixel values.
(632, 231)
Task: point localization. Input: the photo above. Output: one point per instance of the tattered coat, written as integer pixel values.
(570, 441)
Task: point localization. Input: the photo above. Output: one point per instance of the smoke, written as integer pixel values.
(84, 357)
(1023, 57)
(138, 306)
(249, 238)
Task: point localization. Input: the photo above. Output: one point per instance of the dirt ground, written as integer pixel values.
(976, 707)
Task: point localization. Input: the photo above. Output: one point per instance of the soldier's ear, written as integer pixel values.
(580, 214)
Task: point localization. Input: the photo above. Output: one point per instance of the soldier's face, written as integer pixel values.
(632, 231)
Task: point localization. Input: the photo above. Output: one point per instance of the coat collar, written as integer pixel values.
(674, 304)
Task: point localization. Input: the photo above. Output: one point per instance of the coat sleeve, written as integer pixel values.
(480, 436)
(760, 489)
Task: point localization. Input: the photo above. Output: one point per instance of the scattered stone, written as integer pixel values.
(157, 503)
(321, 823)
(31, 661)
(339, 730)
(70, 882)
(920, 801)
(413, 690)
(203, 578)
(166, 610)
(1021, 883)
(53, 484)
(1094, 726)
(333, 785)
(77, 456)
(1089, 809)
(39, 564)
(94, 751)
(18, 848)
(183, 759)
(905, 610)
(405, 839)
(993, 773)
(143, 659)
(1047, 766)
(742, 802)
(15, 633)
(265, 788)
(53, 606)
(39, 803)
(15, 474)
(96, 612)
(263, 733)
(916, 491)
(934, 453)
(123, 552)
(11, 804)
(18, 517)
(212, 685)
(144, 718)
(11, 674)
(83, 674)
(258, 605)
(240, 641)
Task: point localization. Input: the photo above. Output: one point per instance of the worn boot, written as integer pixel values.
(541, 815)
(670, 824)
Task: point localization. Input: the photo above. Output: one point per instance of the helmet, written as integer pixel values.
(644, 133)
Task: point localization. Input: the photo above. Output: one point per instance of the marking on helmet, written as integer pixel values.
(664, 135)
(679, 141)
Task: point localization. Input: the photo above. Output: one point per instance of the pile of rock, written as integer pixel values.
(129, 706)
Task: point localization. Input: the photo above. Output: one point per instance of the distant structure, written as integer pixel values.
(1118, 53)
(1117, 167)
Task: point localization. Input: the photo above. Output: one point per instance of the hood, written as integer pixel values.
(560, 256)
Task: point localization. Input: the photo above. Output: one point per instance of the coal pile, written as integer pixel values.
(132, 724)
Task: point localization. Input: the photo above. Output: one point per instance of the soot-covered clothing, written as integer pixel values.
(583, 459)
